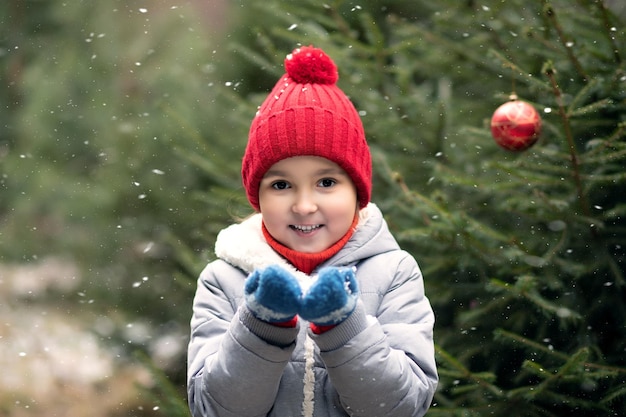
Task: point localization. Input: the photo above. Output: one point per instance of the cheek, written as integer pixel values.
(268, 202)
(343, 210)
(271, 216)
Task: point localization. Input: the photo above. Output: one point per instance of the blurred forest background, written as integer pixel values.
(121, 132)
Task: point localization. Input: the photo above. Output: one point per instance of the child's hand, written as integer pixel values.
(272, 294)
(332, 298)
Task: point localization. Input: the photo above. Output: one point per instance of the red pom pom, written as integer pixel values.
(309, 65)
(515, 125)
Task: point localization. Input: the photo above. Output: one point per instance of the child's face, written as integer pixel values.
(307, 203)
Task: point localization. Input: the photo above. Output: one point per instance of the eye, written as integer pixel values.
(280, 185)
(327, 182)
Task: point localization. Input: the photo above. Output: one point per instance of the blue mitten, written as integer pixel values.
(332, 298)
(272, 294)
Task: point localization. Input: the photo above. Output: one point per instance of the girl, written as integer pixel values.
(311, 309)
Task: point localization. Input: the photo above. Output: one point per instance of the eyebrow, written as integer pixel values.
(321, 172)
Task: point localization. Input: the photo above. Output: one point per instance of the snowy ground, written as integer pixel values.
(51, 363)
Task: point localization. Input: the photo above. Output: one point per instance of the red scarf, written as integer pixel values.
(307, 262)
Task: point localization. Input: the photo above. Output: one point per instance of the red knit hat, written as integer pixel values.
(307, 114)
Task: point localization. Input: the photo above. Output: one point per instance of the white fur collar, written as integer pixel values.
(244, 246)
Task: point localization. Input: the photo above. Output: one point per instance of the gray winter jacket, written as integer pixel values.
(379, 362)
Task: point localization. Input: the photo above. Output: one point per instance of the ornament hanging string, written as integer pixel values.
(513, 95)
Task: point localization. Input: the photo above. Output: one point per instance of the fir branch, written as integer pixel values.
(572, 370)
(341, 24)
(590, 108)
(617, 271)
(582, 198)
(583, 94)
(480, 379)
(536, 369)
(525, 287)
(256, 59)
(464, 53)
(549, 396)
(530, 173)
(619, 133)
(501, 334)
(604, 158)
(574, 362)
(490, 308)
(567, 44)
(609, 30)
(617, 178)
(461, 225)
(619, 392)
(533, 81)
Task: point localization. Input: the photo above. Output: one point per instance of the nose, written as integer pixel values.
(304, 203)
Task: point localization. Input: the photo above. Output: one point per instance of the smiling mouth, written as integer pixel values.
(305, 228)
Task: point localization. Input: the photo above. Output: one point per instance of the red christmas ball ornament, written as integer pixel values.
(515, 125)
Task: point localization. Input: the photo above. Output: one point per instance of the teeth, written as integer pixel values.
(306, 229)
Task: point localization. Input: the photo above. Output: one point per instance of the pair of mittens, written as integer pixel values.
(275, 296)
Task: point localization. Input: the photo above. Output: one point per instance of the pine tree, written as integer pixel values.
(94, 117)
(532, 311)
(97, 98)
